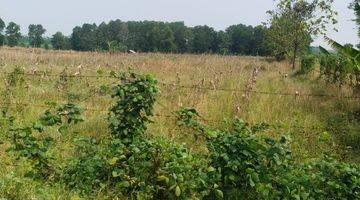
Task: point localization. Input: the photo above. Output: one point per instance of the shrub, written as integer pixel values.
(307, 64)
(157, 170)
(27, 142)
(128, 163)
(330, 179)
(245, 164)
(338, 70)
(249, 165)
(86, 170)
(135, 95)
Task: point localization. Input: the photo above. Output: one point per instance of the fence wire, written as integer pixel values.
(295, 94)
(172, 115)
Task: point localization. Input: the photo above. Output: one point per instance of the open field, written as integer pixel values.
(307, 108)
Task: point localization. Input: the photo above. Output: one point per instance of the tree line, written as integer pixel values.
(291, 28)
(144, 36)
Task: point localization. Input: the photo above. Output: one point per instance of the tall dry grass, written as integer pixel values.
(304, 118)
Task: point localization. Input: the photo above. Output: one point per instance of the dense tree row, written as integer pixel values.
(146, 36)
(150, 36)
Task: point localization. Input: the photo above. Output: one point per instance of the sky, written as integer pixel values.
(64, 15)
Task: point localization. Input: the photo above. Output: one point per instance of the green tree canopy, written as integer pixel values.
(240, 37)
(182, 36)
(60, 42)
(223, 42)
(13, 34)
(162, 38)
(2, 37)
(85, 38)
(294, 23)
(36, 32)
(154, 36)
(203, 39)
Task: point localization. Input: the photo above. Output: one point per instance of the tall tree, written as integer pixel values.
(203, 39)
(36, 33)
(2, 36)
(240, 37)
(114, 34)
(150, 36)
(223, 42)
(60, 42)
(294, 23)
(259, 42)
(162, 38)
(182, 35)
(118, 31)
(85, 38)
(13, 34)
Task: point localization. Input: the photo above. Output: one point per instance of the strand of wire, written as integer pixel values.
(296, 94)
(171, 116)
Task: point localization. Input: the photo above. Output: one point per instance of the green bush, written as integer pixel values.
(338, 70)
(246, 164)
(86, 171)
(128, 163)
(307, 64)
(329, 179)
(135, 95)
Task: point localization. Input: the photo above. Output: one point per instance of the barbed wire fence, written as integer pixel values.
(172, 114)
(295, 93)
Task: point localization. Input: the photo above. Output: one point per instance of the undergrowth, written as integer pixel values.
(240, 162)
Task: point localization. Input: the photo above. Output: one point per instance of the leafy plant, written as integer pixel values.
(63, 116)
(252, 166)
(187, 117)
(336, 69)
(13, 79)
(27, 141)
(135, 95)
(349, 53)
(86, 170)
(248, 164)
(329, 179)
(26, 145)
(307, 64)
(130, 164)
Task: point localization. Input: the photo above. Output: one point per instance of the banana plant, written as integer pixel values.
(350, 53)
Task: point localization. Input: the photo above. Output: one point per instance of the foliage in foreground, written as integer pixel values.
(240, 162)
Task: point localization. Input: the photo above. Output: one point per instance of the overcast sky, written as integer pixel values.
(63, 15)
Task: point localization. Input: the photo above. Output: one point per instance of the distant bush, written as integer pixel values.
(307, 64)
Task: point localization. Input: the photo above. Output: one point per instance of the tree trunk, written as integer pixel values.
(293, 62)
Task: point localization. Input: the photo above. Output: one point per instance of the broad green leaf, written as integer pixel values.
(177, 191)
(219, 194)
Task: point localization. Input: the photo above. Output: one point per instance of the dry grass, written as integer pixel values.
(197, 71)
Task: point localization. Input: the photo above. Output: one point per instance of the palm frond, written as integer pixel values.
(352, 54)
(324, 51)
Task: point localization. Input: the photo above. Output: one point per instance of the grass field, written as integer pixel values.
(214, 85)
